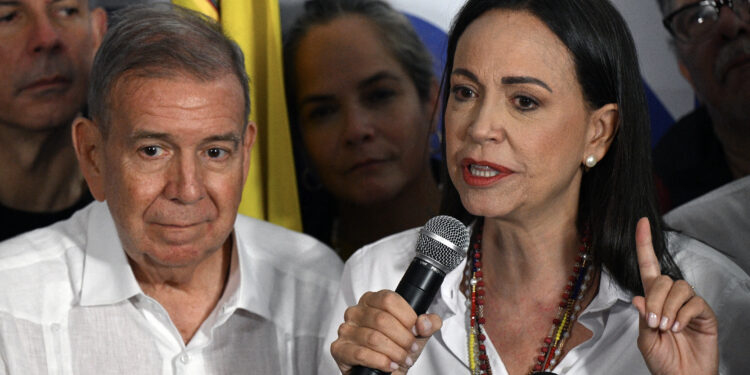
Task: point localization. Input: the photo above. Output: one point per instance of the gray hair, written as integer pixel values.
(161, 41)
(394, 28)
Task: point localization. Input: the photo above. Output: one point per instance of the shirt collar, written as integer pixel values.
(107, 276)
(250, 285)
(451, 306)
(109, 279)
(610, 292)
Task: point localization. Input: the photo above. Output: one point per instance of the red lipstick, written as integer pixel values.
(483, 173)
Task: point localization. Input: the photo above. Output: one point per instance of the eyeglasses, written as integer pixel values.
(694, 22)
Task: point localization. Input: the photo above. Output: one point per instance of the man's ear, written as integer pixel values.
(89, 147)
(251, 130)
(603, 125)
(98, 26)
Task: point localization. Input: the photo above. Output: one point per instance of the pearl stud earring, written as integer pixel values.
(590, 161)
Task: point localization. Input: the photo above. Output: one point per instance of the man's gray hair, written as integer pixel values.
(392, 27)
(161, 41)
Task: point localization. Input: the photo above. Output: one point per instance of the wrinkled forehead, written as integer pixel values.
(136, 81)
(134, 98)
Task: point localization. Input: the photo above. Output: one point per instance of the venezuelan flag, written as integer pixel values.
(270, 192)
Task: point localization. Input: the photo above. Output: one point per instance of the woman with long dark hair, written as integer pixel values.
(569, 266)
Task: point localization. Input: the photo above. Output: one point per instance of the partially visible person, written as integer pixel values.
(46, 49)
(161, 276)
(569, 269)
(710, 146)
(362, 95)
(720, 218)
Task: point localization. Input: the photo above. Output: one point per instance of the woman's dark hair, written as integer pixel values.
(620, 189)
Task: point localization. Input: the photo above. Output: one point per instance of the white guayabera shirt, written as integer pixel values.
(610, 316)
(69, 304)
(720, 218)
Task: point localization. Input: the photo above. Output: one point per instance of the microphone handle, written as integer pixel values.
(359, 370)
(419, 285)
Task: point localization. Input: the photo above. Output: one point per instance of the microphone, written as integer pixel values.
(442, 245)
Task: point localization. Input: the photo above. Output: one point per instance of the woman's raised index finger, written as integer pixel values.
(648, 264)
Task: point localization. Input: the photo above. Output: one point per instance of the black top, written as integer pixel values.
(16, 221)
(689, 160)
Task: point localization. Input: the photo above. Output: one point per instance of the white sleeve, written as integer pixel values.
(374, 267)
(3, 368)
(344, 298)
(734, 327)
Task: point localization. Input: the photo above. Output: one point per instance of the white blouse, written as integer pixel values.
(610, 315)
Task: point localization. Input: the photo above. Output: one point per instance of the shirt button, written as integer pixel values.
(55, 327)
(185, 358)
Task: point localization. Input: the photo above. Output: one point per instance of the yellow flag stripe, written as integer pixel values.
(204, 6)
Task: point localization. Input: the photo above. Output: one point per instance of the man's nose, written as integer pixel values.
(732, 22)
(185, 183)
(44, 35)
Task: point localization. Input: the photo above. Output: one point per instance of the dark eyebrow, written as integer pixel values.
(227, 137)
(379, 76)
(465, 73)
(315, 98)
(514, 80)
(144, 134)
(511, 80)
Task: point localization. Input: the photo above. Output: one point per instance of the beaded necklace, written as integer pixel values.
(568, 309)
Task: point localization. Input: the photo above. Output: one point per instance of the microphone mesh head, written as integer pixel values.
(442, 255)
